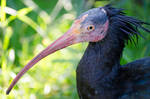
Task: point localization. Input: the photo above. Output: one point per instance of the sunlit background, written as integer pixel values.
(28, 26)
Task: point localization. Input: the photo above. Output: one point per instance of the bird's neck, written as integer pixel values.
(100, 59)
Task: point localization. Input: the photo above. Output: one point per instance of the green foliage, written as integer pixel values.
(28, 26)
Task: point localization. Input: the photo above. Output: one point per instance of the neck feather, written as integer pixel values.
(100, 62)
(101, 58)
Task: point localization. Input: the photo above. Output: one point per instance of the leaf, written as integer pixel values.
(24, 11)
(7, 38)
(2, 12)
(31, 23)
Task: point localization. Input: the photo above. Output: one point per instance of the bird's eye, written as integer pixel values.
(90, 28)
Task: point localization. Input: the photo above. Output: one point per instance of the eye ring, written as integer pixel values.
(90, 27)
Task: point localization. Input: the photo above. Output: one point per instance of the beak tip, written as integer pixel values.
(62, 42)
(7, 92)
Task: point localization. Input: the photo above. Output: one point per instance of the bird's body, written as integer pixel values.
(99, 73)
(102, 77)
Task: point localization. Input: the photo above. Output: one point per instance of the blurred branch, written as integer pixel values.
(3, 14)
(56, 10)
(7, 38)
(9, 10)
(43, 14)
(21, 15)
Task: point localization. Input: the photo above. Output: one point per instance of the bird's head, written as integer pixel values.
(91, 26)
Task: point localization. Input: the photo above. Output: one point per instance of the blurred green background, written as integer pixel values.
(28, 26)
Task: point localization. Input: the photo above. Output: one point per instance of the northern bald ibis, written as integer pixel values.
(99, 73)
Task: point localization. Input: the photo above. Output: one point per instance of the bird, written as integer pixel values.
(99, 74)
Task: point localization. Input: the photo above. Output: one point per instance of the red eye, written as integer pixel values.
(90, 28)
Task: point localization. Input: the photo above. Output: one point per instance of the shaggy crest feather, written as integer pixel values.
(128, 26)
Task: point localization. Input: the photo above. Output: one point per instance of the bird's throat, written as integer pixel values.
(100, 61)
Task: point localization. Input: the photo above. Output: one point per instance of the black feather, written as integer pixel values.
(128, 26)
(99, 73)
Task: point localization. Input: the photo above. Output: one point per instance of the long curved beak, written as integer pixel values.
(67, 39)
